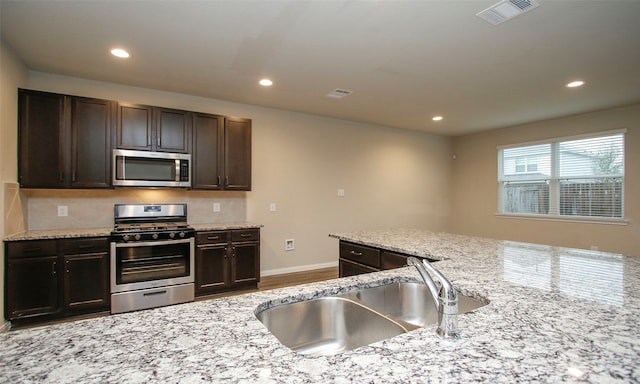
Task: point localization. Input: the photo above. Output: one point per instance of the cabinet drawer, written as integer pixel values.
(391, 260)
(360, 254)
(31, 248)
(85, 245)
(212, 237)
(238, 235)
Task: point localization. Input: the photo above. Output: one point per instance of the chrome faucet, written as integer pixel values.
(445, 298)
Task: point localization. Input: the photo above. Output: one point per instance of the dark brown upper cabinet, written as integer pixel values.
(148, 128)
(221, 152)
(91, 127)
(237, 154)
(41, 139)
(64, 141)
(207, 158)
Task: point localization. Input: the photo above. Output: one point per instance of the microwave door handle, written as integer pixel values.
(177, 177)
(123, 168)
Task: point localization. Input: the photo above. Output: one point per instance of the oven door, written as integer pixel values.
(151, 264)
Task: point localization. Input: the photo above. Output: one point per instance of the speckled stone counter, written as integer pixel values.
(554, 315)
(59, 234)
(224, 226)
(97, 232)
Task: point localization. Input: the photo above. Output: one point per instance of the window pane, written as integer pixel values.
(526, 197)
(600, 197)
(599, 156)
(532, 162)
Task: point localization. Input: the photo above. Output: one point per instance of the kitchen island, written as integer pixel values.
(553, 315)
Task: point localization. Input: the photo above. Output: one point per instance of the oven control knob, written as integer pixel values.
(155, 236)
(125, 237)
(172, 235)
(182, 234)
(137, 237)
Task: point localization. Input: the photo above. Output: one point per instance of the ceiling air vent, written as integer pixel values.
(505, 10)
(339, 93)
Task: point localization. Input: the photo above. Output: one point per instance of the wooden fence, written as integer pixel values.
(576, 198)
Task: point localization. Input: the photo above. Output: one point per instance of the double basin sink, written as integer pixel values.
(333, 324)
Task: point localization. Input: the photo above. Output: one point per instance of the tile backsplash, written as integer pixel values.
(94, 208)
(15, 209)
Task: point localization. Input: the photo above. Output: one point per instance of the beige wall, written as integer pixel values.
(475, 185)
(12, 76)
(391, 177)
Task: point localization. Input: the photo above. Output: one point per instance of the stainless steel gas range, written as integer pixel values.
(152, 257)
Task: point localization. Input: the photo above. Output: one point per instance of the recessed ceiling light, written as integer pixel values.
(577, 83)
(120, 53)
(437, 118)
(266, 82)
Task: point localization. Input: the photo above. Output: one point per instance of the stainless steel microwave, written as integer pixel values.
(151, 169)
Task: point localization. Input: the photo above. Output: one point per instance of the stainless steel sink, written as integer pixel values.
(327, 325)
(330, 325)
(410, 302)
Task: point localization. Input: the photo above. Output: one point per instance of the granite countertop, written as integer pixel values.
(554, 315)
(42, 234)
(224, 226)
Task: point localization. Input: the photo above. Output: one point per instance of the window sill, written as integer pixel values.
(566, 219)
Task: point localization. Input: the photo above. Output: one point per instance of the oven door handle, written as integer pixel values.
(153, 243)
(163, 292)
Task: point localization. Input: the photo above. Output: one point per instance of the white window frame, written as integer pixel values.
(554, 184)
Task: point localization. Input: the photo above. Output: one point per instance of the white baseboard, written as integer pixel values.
(299, 268)
(5, 327)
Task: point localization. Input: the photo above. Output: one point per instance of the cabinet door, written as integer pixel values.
(41, 138)
(133, 127)
(32, 287)
(86, 281)
(349, 268)
(245, 266)
(237, 154)
(208, 134)
(172, 130)
(91, 125)
(212, 269)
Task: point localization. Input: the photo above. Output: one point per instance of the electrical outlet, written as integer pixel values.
(63, 210)
(340, 192)
(272, 207)
(289, 245)
(216, 207)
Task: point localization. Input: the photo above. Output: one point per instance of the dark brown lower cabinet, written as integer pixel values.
(212, 267)
(227, 260)
(356, 259)
(32, 287)
(391, 260)
(349, 268)
(47, 279)
(86, 282)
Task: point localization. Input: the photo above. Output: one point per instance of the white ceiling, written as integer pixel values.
(405, 61)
